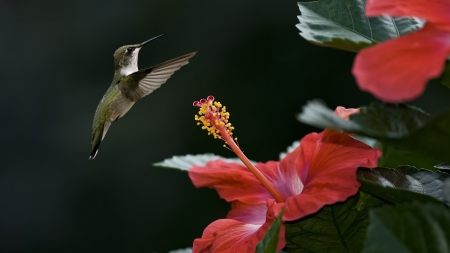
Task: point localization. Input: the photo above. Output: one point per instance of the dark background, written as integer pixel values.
(56, 63)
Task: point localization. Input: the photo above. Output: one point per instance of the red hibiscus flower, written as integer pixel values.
(398, 70)
(321, 171)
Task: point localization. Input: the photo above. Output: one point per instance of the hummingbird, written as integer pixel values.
(129, 85)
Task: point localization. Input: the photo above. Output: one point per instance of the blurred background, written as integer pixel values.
(56, 63)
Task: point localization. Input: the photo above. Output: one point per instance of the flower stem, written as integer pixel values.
(264, 181)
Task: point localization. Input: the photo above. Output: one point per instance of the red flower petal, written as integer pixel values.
(232, 181)
(251, 214)
(398, 70)
(433, 11)
(204, 244)
(235, 182)
(330, 171)
(322, 170)
(228, 235)
(303, 153)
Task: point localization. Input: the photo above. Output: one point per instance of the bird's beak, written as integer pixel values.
(154, 38)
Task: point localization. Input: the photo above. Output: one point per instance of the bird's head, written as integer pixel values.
(125, 57)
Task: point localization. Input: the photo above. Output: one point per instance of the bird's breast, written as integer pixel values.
(119, 106)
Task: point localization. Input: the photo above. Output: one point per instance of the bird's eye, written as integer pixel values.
(130, 49)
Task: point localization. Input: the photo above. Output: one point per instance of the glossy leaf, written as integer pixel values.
(445, 77)
(446, 190)
(409, 228)
(186, 250)
(343, 24)
(402, 126)
(270, 241)
(337, 228)
(186, 162)
(443, 167)
(394, 157)
(404, 184)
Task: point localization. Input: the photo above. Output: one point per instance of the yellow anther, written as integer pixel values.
(213, 117)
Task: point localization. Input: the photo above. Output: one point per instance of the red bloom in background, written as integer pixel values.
(345, 113)
(321, 171)
(398, 70)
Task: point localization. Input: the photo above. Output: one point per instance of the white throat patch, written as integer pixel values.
(128, 70)
(132, 65)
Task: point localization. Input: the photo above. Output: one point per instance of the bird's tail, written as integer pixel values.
(97, 137)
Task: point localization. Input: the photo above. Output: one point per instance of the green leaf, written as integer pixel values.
(385, 121)
(402, 126)
(393, 157)
(186, 250)
(445, 76)
(270, 241)
(446, 190)
(344, 25)
(443, 167)
(337, 228)
(404, 184)
(409, 228)
(186, 162)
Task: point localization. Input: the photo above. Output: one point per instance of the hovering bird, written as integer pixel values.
(129, 85)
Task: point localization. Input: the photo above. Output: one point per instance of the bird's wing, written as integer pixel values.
(145, 81)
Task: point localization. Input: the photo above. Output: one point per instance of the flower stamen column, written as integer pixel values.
(214, 118)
